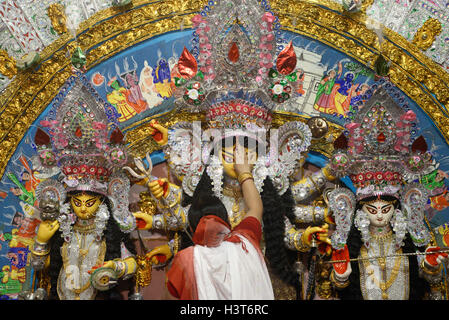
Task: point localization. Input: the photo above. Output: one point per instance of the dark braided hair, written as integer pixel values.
(276, 208)
(113, 237)
(418, 286)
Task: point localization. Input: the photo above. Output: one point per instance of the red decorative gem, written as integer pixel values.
(41, 138)
(381, 138)
(341, 142)
(388, 176)
(234, 53)
(187, 65)
(78, 132)
(379, 176)
(419, 145)
(286, 60)
(116, 136)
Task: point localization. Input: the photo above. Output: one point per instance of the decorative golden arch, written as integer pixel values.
(113, 30)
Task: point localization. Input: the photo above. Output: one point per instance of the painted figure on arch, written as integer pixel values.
(119, 100)
(133, 92)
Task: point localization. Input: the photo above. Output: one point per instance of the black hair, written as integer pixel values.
(113, 237)
(418, 286)
(203, 203)
(275, 208)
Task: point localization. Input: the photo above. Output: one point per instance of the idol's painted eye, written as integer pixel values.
(91, 202)
(77, 202)
(386, 210)
(371, 210)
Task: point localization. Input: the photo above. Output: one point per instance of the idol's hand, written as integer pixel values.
(321, 234)
(328, 217)
(241, 160)
(342, 269)
(144, 220)
(158, 132)
(46, 230)
(434, 259)
(104, 277)
(159, 254)
(159, 188)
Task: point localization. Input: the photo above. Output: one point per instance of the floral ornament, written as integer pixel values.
(280, 91)
(46, 156)
(194, 93)
(117, 156)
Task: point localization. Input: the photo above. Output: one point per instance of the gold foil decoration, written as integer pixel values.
(427, 34)
(57, 16)
(286, 60)
(143, 273)
(147, 204)
(187, 65)
(7, 65)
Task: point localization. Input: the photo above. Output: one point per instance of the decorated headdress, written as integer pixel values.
(379, 156)
(236, 77)
(83, 141)
(236, 73)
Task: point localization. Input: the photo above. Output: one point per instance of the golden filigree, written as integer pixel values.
(7, 65)
(427, 34)
(146, 203)
(56, 13)
(143, 272)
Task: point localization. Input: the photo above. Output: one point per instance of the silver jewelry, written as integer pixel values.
(399, 225)
(158, 221)
(361, 221)
(215, 172)
(413, 199)
(118, 191)
(342, 204)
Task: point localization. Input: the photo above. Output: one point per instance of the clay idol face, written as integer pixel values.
(379, 212)
(85, 205)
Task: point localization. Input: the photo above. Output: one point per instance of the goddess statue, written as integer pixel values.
(84, 207)
(233, 81)
(383, 249)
